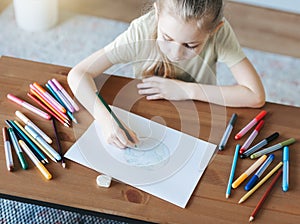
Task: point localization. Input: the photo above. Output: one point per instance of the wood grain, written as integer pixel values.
(75, 186)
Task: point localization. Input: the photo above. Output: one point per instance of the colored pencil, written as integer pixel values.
(18, 150)
(28, 106)
(28, 122)
(265, 195)
(60, 97)
(7, 148)
(47, 103)
(285, 172)
(26, 139)
(248, 172)
(255, 120)
(34, 98)
(36, 162)
(38, 144)
(69, 98)
(227, 131)
(233, 166)
(259, 172)
(54, 94)
(63, 163)
(259, 145)
(252, 136)
(115, 117)
(39, 138)
(49, 98)
(249, 193)
(272, 148)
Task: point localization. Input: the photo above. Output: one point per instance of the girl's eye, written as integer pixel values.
(185, 45)
(190, 47)
(166, 38)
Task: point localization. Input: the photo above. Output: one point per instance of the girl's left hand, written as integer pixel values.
(163, 88)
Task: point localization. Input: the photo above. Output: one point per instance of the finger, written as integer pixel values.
(121, 137)
(152, 79)
(146, 85)
(119, 143)
(154, 97)
(113, 140)
(134, 139)
(149, 91)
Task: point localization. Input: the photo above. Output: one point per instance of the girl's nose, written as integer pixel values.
(177, 51)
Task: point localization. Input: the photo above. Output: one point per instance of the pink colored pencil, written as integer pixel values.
(48, 110)
(28, 106)
(64, 92)
(49, 98)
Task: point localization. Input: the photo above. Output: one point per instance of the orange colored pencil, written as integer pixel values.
(65, 123)
(49, 98)
(265, 195)
(41, 98)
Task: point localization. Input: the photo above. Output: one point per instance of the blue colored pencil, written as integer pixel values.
(233, 166)
(259, 172)
(69, 113)
(285, 169)
(24, 137)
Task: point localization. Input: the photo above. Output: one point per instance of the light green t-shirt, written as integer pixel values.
(137, 46)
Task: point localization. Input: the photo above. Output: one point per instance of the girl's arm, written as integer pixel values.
(248, 92)
(81, 82)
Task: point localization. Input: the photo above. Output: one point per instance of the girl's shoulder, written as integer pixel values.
(225, 31)
(144, 25)
(147, 18)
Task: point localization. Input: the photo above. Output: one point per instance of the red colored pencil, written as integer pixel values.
(263, 198)
(48, 110)
(47, 103)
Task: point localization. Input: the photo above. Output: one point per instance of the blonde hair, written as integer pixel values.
(207, 13)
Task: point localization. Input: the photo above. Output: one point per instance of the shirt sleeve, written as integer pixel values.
(127, 46)
(228, 48)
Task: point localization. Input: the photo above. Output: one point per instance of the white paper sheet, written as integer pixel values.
(170, 172)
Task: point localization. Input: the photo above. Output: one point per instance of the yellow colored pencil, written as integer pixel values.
(249, 193)
(41, 147)
(35, 160)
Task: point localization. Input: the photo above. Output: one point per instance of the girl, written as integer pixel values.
(174, 48)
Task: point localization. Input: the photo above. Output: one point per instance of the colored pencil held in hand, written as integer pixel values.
(115, 117)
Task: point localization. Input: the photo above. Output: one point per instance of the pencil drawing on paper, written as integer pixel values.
(150, 152)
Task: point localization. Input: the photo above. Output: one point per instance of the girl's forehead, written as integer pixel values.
(179, 30)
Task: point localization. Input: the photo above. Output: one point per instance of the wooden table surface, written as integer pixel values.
(75, 186)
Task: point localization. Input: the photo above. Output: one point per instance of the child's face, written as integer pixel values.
(179, 40)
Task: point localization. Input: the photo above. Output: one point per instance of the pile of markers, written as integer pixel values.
(261, 164)
(56, 102)
(28, 137)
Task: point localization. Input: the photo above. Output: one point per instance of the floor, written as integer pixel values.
(257, 28)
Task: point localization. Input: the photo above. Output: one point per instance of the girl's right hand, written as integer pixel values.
(116, 136)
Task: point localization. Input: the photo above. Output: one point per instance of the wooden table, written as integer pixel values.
(75, 187)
